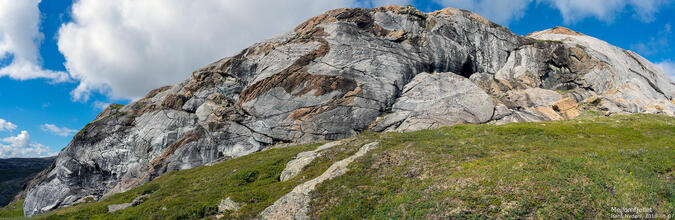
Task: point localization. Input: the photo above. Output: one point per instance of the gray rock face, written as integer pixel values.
(332, 77)
(435, 100)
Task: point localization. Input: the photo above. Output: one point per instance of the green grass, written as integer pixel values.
(12, 211)
(84, 128)
(551, 170)
(252, 181)
(116, 106)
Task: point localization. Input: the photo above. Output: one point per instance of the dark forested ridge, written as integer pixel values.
(15, 172)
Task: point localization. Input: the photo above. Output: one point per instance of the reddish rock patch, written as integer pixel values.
(564, 30)
(296, 76)
(446, 11)
(561, 30)
(465, 13)
(173, 101)
(359, 16)
(346, 99)
(160, 162)
(156, 91)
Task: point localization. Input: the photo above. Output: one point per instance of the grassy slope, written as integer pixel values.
(12, 211)
(563, 169)
(195, 193)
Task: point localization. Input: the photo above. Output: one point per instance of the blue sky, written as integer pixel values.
(61, 61)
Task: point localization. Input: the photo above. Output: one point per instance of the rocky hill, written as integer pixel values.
(342, 73)
(15, 174)
(571, 169)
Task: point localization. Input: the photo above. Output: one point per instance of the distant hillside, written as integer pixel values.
(15, 172)
(572, 169)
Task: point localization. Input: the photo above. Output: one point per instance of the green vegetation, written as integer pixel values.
(116, 113)
(83, 129)
(116, 106)
(12, 211)
(252, 181)
(551, 170)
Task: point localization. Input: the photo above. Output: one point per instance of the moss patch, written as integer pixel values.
(116, 106)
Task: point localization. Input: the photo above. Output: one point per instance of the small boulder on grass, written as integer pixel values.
(227, 205)
(137, 201)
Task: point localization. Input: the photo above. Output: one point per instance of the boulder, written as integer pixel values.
(227, 205)
(435, 100)
(567, 107)
(137, 201)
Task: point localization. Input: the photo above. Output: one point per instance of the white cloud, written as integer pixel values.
(668, 67)
(20, 146)
(646, 9)
(20, 39)
(101, 105)
(60, 131)
(20, 140)
(6, 125)
(499, 11)
(657, 43)
(125, 48)
(605, 10)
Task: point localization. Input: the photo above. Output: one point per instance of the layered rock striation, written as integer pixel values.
(343, 72)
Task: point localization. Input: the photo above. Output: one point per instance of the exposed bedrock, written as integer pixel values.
(343, 72)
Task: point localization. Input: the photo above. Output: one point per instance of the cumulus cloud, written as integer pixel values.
(60, 131)
(20, 140)
(668, 67)
(499, 11)
(20, 39)
(125, 48)
(6, 125)
(576, 10)
(20, 146)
